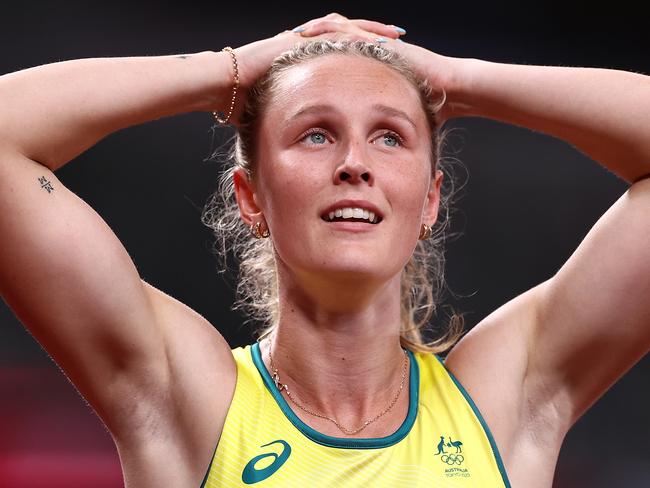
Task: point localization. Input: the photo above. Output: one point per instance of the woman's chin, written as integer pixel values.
(354, 270)
(346, 263)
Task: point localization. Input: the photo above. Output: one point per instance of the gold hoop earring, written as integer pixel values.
(425, 232)
(257, 232)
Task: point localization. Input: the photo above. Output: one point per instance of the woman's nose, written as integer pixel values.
(353, 173)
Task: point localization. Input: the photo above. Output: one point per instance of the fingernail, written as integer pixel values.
(381, 39)
(399, 30)
(399, 40)
(299, 29)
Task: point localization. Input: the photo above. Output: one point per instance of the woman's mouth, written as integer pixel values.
(351, 214)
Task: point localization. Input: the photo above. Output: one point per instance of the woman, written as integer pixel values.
(124, 344)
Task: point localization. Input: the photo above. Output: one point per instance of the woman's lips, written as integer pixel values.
(350, 225)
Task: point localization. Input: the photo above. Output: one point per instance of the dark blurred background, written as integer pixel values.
(528, 201)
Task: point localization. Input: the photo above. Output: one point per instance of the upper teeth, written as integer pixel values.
(353, 213)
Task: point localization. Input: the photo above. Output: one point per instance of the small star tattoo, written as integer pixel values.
(45, 184)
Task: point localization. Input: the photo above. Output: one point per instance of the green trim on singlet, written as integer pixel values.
(493, 444)
(341, 442)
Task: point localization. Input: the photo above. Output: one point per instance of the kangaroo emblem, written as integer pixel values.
(441, 446)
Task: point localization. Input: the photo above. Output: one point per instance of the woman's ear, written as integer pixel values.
(432, 204)
(245, 193)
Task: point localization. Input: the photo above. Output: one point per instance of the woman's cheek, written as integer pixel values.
(407, 195)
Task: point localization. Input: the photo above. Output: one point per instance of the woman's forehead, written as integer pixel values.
(344, 81)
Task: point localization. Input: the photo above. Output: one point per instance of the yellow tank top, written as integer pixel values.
(443, 442)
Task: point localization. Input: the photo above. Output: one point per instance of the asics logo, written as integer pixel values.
(251, 475)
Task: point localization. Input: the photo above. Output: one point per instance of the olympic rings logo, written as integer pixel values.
(452, 459)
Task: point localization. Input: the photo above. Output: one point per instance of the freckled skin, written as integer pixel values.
(298, 177)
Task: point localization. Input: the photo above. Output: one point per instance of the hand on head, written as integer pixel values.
(256, 58)
(339, 27)
(428, 65)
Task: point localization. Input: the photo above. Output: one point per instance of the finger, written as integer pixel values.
(321, 26)
(378, 28)
(335, 16)
(371, 28)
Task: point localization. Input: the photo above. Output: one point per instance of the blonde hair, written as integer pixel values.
(422, 279)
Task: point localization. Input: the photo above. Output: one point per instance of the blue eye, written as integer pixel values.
(317, 138)
(391, 139)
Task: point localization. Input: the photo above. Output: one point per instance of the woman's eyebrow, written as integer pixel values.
(393, 112)
(317, 109)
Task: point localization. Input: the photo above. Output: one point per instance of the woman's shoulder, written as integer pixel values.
(194, 398)
(491, 362)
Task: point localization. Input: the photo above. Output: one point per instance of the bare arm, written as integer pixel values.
(72, 284)
(593, 315)
(539, 361)
(62, 270)
(54, 112)
(602, 112)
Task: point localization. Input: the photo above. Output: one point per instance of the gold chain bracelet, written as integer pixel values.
(234, 89)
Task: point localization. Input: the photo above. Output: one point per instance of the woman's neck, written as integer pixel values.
(340, 358)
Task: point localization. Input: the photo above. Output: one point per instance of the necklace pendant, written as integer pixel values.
(276, 380)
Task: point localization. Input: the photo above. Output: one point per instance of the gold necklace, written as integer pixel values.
(280, 387)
